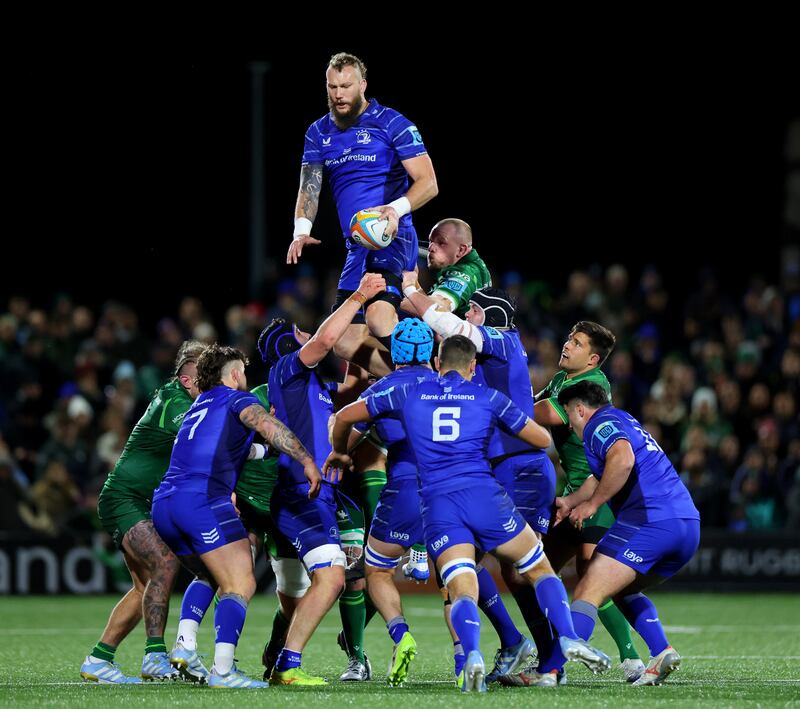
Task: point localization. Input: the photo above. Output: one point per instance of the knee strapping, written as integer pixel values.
(534, 557)
(373, 558)
(291, 577)
(456, 567)
(323, 556)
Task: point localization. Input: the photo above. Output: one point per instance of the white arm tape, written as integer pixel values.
(257, 451)
(302, 227)
(401, 205)
(449, 324)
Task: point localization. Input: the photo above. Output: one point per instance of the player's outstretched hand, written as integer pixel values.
(311, 471)
(335, 464)
(562, 510)
(296, 247)
(581, 513)
(371, 284)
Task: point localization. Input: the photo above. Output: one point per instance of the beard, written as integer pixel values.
(347, 119)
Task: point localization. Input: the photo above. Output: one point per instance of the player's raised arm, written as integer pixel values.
(442, 322)
(328, 334)
(305, 210)
(279, 436)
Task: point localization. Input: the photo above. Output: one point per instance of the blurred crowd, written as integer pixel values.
(713, 375)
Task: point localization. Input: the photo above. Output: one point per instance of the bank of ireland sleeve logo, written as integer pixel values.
(605, 431)
(416, 138)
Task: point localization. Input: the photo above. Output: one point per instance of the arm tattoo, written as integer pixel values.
(274, 432)
(310, 187)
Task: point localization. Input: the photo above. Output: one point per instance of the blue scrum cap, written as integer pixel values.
(412, 342)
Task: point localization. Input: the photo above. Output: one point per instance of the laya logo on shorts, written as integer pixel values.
(633, 556)
(400, 535)
(440, 542)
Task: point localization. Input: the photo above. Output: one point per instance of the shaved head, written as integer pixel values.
(463, 231)
(449, 240)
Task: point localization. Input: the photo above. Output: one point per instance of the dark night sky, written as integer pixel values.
(143, 166)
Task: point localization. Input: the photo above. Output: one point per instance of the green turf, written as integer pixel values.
(739, 650)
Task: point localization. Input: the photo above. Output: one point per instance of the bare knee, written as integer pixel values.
(381, 318)
(244, 587)
(377, 575)
(510, 576)
(329, 582)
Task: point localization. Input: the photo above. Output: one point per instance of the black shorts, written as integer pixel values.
(392, 295)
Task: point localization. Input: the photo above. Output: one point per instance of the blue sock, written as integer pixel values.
(492, 605)
(459, 658)
(397, 628)
(467, 623)
(552, 597)
(288, 659)
(643, 616)
(551, 657)
(229, 618)
(196, 600)
(584, 618)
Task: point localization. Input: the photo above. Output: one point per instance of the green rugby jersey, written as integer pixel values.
(569, 446)
(146, 455)
(258, 477)
(458, 282)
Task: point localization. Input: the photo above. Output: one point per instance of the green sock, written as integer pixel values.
(372, 484)
(103, 652)
(280, 624)
(351, 608)
(155, 644)
(618, 628)
(421, 548)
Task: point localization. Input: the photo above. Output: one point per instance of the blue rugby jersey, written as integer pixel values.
(449, 422)
(303, 402)
(364, 162)
(400, 455)
(653, 491)
(211, 446)
(503, 365)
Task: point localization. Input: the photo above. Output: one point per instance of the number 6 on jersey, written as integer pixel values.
(446, 429)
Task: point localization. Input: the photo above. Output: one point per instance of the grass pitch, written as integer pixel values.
(738, 650)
